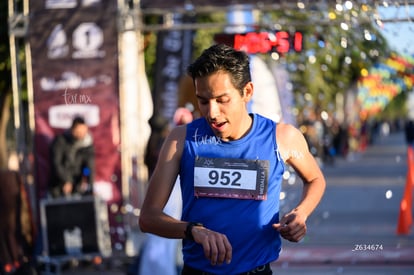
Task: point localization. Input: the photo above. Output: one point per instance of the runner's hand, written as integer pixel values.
(292, 226)
(217, 247)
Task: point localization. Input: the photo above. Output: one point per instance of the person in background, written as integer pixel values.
(182, 116)
(159, 254)
(72, 157)
(409, 132)
(16, 222)
(230, 163)
(160, 128)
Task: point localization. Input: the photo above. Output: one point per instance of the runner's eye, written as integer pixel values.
(223, 100)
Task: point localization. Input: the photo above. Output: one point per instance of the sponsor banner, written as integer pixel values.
(174, 50)
(75, 72)
(265, 100)
(284, 88)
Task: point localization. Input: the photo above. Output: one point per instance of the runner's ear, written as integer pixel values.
(248, 91)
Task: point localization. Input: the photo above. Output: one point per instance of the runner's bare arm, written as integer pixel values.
(152, 217)
(295, 152)
(216, 246)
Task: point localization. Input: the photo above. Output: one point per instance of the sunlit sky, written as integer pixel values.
(400, 35)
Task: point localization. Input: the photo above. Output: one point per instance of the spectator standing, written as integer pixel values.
(72, 157)
(409, 132)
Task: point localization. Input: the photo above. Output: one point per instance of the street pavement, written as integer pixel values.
(353, 230)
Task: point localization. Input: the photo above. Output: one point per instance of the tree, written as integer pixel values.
(338, 45)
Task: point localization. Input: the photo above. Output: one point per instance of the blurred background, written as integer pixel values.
(340, 71)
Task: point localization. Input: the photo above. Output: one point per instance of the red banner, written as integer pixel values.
(75, 71)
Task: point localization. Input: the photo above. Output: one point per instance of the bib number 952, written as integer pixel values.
(231, 178)
(224, 177)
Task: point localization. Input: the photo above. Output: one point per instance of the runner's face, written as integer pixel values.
(223, 106)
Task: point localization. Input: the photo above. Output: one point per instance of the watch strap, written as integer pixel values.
(188, 230)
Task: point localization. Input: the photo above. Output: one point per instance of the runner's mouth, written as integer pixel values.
(217, 125)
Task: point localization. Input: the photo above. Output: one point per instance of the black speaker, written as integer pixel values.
(75, 226)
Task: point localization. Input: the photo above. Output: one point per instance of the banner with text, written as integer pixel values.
(174, 52)
(75, 72)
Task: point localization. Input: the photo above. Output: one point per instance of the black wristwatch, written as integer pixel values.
(188, 230)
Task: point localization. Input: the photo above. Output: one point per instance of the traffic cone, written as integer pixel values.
(405, 217)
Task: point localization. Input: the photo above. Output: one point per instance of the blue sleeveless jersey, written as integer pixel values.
(246, 223)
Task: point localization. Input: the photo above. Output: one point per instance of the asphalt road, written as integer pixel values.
(353, 230)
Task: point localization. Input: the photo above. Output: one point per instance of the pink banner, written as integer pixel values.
(75, 72)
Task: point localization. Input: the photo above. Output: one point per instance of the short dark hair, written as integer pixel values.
(224, 58)
(77, 120)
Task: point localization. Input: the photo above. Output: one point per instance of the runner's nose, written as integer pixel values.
(213, 110)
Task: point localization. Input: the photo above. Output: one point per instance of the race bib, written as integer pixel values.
(231, 178)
